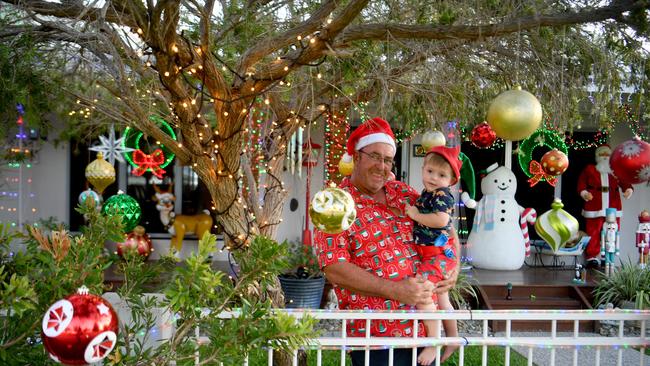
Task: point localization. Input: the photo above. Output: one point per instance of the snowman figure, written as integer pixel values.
(499, 236)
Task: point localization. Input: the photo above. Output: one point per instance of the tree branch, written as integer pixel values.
(268, 45)
(75, 11)
(380, 31)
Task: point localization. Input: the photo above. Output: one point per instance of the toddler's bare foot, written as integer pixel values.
(427, 356)
(449, 350)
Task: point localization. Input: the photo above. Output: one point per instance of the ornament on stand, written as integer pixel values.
(630, 162)
(332, 210)
(100, 173)
(126, 206)
(432, 139)
(555, 162)
(111, 148)
(91, 195)
(514, 114)
(136, 240)
(643, 238)
(557, 227)
(483, 136)
(80, 329)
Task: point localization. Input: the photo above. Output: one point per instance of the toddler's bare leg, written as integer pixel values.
(428, 354)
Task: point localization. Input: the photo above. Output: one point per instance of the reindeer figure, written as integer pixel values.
(179, 225)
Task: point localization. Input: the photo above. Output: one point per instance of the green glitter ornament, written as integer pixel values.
(126, 206)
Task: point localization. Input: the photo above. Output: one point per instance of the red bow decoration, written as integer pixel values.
(149, 162)
(538, 173)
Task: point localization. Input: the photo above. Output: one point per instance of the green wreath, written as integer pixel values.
(541, 137)
(133, 137)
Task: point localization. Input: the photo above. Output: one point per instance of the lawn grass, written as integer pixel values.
(496, 357)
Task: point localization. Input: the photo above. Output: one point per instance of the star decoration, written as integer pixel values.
(103, 309)
(111, 147)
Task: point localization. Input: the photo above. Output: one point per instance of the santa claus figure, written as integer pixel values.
(643, 237)
(599, 188)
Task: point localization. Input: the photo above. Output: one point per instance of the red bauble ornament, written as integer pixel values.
(483, 136)
(80, 329)
(630, 162)
(555, 162)
(136, 240)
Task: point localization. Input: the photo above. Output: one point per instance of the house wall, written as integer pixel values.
(50, 175)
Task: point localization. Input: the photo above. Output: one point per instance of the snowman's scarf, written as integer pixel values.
(486, 207)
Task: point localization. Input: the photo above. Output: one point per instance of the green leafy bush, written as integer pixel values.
(623, 285)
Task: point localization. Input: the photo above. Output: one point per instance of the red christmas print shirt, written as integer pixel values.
(381, 243)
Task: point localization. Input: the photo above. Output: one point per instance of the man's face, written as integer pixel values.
(371, 167)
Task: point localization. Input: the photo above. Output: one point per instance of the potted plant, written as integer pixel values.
(628, 285)
(303, 282)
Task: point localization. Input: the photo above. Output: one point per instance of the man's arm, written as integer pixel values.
(351, 277)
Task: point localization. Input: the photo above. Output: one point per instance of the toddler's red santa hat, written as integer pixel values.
(451, 155)
(370, 132)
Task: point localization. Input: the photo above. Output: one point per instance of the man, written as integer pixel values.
(599, 188)
(373, 264)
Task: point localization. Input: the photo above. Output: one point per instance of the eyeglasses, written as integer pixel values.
(389, 162)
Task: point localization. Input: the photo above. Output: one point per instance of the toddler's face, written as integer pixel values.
(436, 176)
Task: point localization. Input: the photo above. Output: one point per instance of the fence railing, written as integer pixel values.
(545, 340)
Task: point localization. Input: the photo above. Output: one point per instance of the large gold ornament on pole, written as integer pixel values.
(332, 210)
(515, 114)
(100, 173)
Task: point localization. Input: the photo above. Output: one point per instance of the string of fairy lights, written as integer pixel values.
(19, 194)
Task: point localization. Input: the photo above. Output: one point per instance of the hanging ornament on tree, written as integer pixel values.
(111, 147)
(555, 162)
(152, 160)
(100, 173)
(556, 226)
(432, 139)
(126, 206)
(483, 136)
(332, 210)
(630, 161)
(514, 114)
(136, 240)
(80, 329)
(346, 165)
(532, 168)
(89, 194)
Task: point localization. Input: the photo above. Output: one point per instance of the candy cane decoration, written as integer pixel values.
(528, 215)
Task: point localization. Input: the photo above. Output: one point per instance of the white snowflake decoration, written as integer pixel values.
(644, 174)
(631, 149)
(111, 147)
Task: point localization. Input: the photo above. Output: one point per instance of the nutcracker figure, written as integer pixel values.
(609, 240)
(643, 237)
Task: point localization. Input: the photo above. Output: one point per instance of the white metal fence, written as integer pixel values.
(542, 340)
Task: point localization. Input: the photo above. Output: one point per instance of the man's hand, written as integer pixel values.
(628, 193)
(448, 283)
(586, 196)
(414, 291)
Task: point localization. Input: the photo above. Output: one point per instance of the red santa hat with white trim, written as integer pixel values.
(370, 132)
(602, 149)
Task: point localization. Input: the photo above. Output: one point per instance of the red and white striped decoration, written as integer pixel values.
(528, 215)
